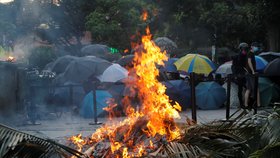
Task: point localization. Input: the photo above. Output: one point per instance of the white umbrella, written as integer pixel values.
(113, 73)
(224, 69)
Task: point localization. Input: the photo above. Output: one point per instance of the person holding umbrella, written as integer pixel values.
(251, 69)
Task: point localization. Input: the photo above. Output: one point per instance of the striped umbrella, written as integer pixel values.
(260, 63)
(195, 63)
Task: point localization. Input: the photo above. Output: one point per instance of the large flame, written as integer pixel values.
(148, 109)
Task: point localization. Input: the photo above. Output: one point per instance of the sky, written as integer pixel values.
(6, 1)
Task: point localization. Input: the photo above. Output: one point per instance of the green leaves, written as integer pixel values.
(114, 22)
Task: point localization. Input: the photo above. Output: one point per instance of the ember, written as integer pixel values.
(150, 124)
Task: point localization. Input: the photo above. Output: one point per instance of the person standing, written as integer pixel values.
(251, 70)
(239, 70)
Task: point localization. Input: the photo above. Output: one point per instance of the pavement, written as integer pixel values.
(67, 125)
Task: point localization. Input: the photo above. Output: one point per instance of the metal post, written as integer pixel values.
(228, 96)
(193, 99)
(31, 108)
(94, 87)
(71, 95)
(256, 87)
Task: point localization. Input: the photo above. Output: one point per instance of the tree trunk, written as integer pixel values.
(273, 34)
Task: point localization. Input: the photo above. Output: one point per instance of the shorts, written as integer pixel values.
(250, 83)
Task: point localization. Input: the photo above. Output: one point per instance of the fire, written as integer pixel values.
(126, 51)
(145, 15)
(150, 120)
(11, 59)
(78, 141)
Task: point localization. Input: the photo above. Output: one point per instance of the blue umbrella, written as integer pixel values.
(178, 91)
(260, 63)
(210, 95)
(87, 104)
(169, 65)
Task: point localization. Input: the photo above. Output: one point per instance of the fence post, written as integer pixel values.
(228, 96)
(193, 99)
(94, 87)
(71, 95)
(256, 88)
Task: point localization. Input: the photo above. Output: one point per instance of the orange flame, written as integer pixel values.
(145, 15)
(126, 51)
(153, 116)
(78, 141)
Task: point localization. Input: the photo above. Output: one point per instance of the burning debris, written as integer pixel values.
(149, 124)
(11, 59)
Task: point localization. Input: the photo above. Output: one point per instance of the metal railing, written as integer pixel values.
(228, 80)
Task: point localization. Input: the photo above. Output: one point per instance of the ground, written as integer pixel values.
(66, 126)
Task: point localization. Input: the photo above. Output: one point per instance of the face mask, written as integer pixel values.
(255, 49)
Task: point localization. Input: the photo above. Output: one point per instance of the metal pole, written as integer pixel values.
(71, 95)
(193, 99)
(94, 87)
(256, 87)
(228, 96)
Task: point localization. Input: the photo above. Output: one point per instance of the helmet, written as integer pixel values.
(243, 45)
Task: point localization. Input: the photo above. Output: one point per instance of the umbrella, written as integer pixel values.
(234, 102)
(224, 69)
(126, 60)
(272, 69)
(195, 63)
(178, 91)
(87, 104)
(49, 66)
(269, 56)
(210, 95)
(81, 69)
(268, 91)
(260, 63)
(97, 50)
(169, 65)
(165, 44)
(117, 89)
(113, 73)
(63, 94)
(61, 63)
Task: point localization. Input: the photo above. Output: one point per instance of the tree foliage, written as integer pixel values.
(41, 56)
(114, 22)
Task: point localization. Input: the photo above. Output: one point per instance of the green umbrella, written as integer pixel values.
(269, 91)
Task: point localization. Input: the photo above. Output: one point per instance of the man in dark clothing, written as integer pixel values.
(251, 69)
(239, 69)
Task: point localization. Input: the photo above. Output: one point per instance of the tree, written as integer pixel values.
(197, 21)
(115, 22)
(41, 56)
